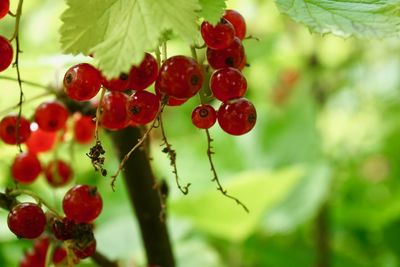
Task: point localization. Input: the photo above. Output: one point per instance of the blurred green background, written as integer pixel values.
(323, 158)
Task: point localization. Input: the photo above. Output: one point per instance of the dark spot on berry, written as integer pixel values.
(53, 124)
(229, 61)
(252, 118)
(123, 76)
(194, 80)
(203, 113)
(223, 21)
(69, 78)
(10, 129)
(135, 110)
(93, 191)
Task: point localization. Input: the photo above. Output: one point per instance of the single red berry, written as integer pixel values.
(26, 168)
(115, 111)
(180, 77)
(40, 246)
(243, 64)
(228, 57)
(143, 107)
(145, 74)
(117, 84)
(51, 116)
(4, 8)
(8, 129)
(63, 229)
(237, 116)
(6, 53)
(32, 259)
(59, 255)
(84, 129)
(58, 173)
(82, 203)
(84, 251)
(172, 101)
(26, 220)
(237, 21)
(228, 83)
(204, 116)
(82, 82)
(219, 36)
(40, 141)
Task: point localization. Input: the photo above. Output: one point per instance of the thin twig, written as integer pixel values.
(102, 261)
(172, 157)
(34, 98)
(98, 114)
(138, 144)
(17, 20)
(48, 88)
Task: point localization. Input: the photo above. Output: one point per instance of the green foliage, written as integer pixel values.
(365, 18)
(211, 10)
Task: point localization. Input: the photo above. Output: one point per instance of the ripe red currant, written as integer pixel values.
(172, 101)
(86, 250)
(31, 259)
(180, 77)
(143, 107)
(26, 220)
(84, 129)
(82, 203)
(51, 116)
(4, 8)
(6, 53)
(115, 111)
(204, 116)
(228, 83)
(40, 141)
(59, 256)
(145, 74)
(8, 129)
(26, 168)
(82, 82)
(219, 36)
(237, 116)
(58, 173)
(117, 84)
(237, 21)
(228, 57)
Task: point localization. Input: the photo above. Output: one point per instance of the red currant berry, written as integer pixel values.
(8, 129)
(41, 245)
(85, 251)
(6, 53)
(237, 116)
(4, 8)
(51, 116)
(31, 259)
(237, 21)
(26, 168)
(82, 82)
(219, 36)
(115, 111)
(143, 107)
(59, 256)
(27, 220)
(228, 57)
(180, 77)
(40, 141)
(82, 203)
(117, 84)
(145, 74)
(84, 129)
(58, 173)
(172, 101)
(204, 116)
(228, 83)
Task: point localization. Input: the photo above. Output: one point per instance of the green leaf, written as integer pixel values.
(118, 32)
(220, 216)
(360, 18)
(211, 10)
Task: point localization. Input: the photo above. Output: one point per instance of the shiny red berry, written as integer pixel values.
(86, 250)
(82, 203)
(27, 220)
(228, 83)
(172, 101)
(115, 111)
(180, 77)
(8, 129)
(237, 21)
(82, 82)
(228, 57)
(237, 116)
(40, 141)
(84, 129)
(145, 74)
(219, 36)
(117, 84)
(58, 173)
(204, 116)
(26, 168)
(4, 8)
(51, 116)
(6, 53)
(143, 107)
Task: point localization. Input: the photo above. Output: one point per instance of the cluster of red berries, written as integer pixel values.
(6, 50)
(82, 204)
(36, 257)
(178, 79)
